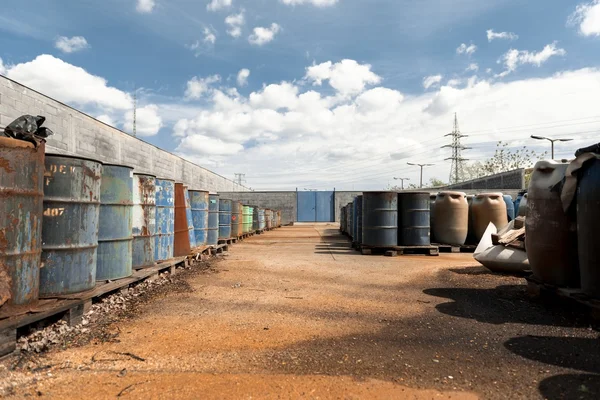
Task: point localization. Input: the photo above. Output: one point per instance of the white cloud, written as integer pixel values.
(491, 35)
(454, 82)
(235, 22)
(587, 17)
(347, 76)
(513, 58)
(203, 145)
(261, 35)
(68, 83)
(433, 80)
(107, 119)
(209, 36)
(2, 67)
(464, 49)
(318, 3)
(147, 121)
(473, 67)
(216, 5)
(242, 77)
(72, 44)
(196, 87)
(145, 6)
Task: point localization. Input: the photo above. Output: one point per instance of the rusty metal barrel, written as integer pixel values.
(413, 219)
(21, 197)
(255, 223)
(588, 220)
(165, 219)
(488, 207)
(199, 207)
(380, 219)
(451, 218)
(240, 231)
(213, 220)
(144, 220)
(70, 224)
(182, 239)
(247, 218)
(116, 223)
(268, 219)
(235, 218)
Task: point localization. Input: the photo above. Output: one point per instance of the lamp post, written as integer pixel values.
(551, 141)
(401, 181)
(421, 165)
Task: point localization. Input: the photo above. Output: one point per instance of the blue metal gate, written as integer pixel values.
(315, 206)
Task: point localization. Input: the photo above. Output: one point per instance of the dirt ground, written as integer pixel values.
(295, 313)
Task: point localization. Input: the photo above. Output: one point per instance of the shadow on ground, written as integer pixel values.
(571, 387)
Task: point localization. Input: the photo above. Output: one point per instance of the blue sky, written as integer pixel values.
(281, 140)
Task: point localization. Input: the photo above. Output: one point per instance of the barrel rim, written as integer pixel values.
(419, 192)
(199, 191)
(144, 174)
(379, 191)
(73, 157)
(450, 192)
(482, 195)
(14, 143)
(117, 165)
(165, 179)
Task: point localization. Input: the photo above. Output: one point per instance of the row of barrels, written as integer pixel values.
(67, 222)
(387, 219)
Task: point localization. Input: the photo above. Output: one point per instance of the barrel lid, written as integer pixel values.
(11, 142)
(142, 174)
(379, 191)
(165, 179)
(198, 190)
(73, 157)
(117, 165)
(416, 192)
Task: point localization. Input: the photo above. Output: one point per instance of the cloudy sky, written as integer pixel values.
(317, 93)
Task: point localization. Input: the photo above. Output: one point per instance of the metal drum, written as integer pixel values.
(432, 237)
(380, 219)
(350, 221)
(165, 219)
(488, 207)
(523, 206)
(343, 219)
(240, 219)
(413, 219)
(116, 223)
(359, 223)
(224, 218)
(213, 220)
(451, 218)
(588, 220)
(254, 218)
(510, 207)
(247, 219)
(268, 219)
(235, 218)
(518, 201)
(279, 219)
(189, 218)
(199, 207)
(354, 219)
(550, 235)
(144, 220)
(261, 219)
(70, 224)
(182, 236)
(21, 197)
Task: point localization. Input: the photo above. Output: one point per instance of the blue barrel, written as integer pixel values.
(510, 207)
(116, 223)
(70, 224)
(189, 218)
(518, 201)
(224, 218)
(199, 208)
(413, 219)
(380, 219)
(144, 220)
(21, 197)
(588, 220)
(358, 219)
(165, 219)
(213, 220)
(262, 223)
(254, 218)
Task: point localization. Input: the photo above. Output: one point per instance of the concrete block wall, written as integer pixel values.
(341, 199)
(78, 134)
(514, 179)
(284, 201)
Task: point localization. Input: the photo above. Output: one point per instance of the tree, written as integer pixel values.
(504, 159)
(435, 182)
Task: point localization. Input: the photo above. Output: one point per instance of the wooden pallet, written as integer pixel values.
(259, 231)
(451, 248)
(227, 241)
(536, 288)
(393, 251)
(72, 307)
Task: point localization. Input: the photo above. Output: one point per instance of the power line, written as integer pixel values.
(239, 178)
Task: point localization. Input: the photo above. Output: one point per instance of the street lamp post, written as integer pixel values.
(421, 165)
(551, 141)
(401, 181)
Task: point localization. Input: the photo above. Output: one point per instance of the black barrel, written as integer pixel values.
(358, 223)
(380, 219)
(588, 219)
(413, 219)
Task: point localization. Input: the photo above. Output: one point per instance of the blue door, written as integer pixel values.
(315, 206)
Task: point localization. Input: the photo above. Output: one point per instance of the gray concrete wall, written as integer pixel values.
(79, 134)
(284, 201)
(505, 180)
(341, 199)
